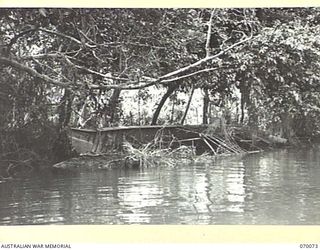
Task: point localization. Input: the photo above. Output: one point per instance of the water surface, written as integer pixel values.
(280, 187)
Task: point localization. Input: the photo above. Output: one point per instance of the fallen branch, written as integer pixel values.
(208, 144)
(223, 144)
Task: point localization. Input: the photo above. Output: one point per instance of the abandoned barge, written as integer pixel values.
(138, 146)
(200, 137)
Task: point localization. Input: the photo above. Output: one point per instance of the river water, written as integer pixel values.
(280, 187)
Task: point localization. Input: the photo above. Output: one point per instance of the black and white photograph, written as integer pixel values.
(160, 116)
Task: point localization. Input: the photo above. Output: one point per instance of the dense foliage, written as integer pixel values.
(70, 67)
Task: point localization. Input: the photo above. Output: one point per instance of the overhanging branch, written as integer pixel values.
(68, 84)
(194, 73)
(203, 60)
(106, 76)
(32, 72)
(168, 78)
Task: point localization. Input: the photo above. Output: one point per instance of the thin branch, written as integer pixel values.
(192, 74)
(54, 55)
(68, 37)
(145, 45)
(128, 86)
(85, 36)
(209, 34)
(50, 68)
(40, 56)
(68, 60)
(99, 59)
(100, 74)
(117, 43)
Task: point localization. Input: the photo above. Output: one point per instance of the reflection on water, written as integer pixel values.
(281, 187)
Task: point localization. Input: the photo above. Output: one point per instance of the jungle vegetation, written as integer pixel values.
(70, 67)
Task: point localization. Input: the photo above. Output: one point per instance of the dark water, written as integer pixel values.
(281, 187)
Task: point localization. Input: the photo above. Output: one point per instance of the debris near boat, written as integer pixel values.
(151, 146)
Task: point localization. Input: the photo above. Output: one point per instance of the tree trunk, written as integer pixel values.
(242, 109)
(114, 100)
(68, 108)
(205, 106)
(187, 107)
(61, 148)
(113, 105)
(172, 111)
(156, 114)
(65, 109)
(286, 126)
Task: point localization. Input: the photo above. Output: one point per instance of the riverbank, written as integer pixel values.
(151, 146)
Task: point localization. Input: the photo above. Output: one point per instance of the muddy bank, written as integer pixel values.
(165, 146)
(96, 162)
